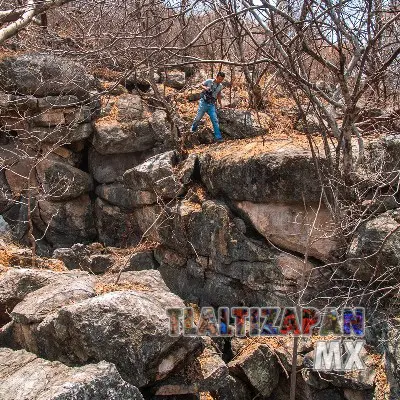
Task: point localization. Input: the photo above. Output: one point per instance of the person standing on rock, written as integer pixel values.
(207, 104)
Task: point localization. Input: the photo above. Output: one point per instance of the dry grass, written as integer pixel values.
(146, 245)
(206, 396)
(113, 113)
(239, 149)
(382, 387)
(106, 74)
(102, 288)
(52, 264)
(5, 257)
(14, 256)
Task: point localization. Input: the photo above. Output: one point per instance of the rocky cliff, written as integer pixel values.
(139, 227)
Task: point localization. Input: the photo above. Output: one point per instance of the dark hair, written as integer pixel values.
(220, 73)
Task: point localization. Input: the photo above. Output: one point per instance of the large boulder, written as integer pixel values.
(237, 124)
(381, 156)
(142, 260)
(119, 195)
(156, 174)
(129, 328)
(294, 227)
(140, 80)
(74, 257)
(175, 79)
(45, 75)
(113, 137)
(18, 164)
(375, 247)
(276, 173)
(26, 376)
(38, 304)
(67, 289)
(61, 181)
(66, 222)
(92, 258)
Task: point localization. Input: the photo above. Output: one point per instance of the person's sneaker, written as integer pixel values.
(219, 140)
(193, 129)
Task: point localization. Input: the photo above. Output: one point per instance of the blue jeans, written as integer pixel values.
(211, 110)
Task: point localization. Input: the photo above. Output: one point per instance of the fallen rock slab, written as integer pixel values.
(48, 299)
(129, 328)
(15, 284)
(294, 227)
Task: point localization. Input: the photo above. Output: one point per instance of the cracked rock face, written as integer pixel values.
(289, 227)
(62, 181)
(205, 257)
(23, 375)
